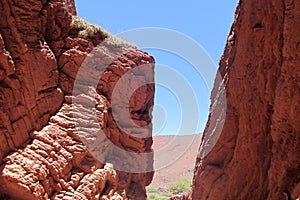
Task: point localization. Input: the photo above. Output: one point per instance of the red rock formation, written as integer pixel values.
(51, 139)
(258, 153)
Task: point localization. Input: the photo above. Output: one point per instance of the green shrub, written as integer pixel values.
(178, 187)
(154, 194)
(181, 186)
(152, 191)
(167, 196)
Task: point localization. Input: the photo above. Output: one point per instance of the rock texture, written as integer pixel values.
(257, 155)
(52, 135)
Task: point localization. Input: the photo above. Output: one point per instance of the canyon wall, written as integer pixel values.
(62, 142)
(257, 155)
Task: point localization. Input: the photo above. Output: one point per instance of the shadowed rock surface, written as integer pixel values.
(258, 153)
(44, 122)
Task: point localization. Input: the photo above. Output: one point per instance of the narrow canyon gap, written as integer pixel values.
(42, 156)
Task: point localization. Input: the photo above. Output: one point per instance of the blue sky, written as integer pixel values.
(207, 23)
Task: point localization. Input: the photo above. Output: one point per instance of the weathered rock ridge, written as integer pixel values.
(51, 138)
(258, 153)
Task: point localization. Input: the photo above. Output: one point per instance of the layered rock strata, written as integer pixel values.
(258, 152)
(61, 142)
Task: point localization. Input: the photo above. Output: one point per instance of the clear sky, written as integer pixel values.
(206, 22)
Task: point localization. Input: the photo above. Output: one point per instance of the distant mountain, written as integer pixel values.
(174, 158)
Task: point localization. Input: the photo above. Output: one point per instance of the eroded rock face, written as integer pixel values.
(57, 141)
(257, 155)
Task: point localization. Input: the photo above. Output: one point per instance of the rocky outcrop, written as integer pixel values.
(181, 197)
(257, 155)
(59, 141)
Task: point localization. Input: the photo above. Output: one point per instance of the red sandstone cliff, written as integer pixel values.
(258, 153)
(42, 156)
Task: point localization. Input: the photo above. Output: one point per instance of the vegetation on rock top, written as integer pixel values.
(88, 30)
